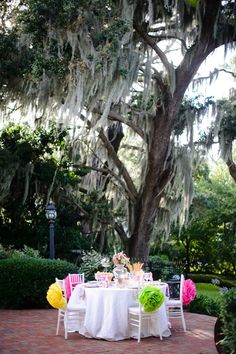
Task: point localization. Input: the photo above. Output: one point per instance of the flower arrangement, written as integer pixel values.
(136, 267)
(151, 298)
(120, 258)
(189, 291)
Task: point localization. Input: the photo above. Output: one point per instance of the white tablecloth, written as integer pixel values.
(106, 314)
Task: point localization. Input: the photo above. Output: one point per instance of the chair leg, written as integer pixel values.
(65, 326)
(58, 324)
(139, 330)
(183, 320)
(168, 315)
(159, 326)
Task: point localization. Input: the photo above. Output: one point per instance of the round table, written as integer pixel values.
(106, 314)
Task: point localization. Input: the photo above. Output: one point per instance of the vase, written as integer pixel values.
(120, 271)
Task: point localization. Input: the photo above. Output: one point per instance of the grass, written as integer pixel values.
(208, 289)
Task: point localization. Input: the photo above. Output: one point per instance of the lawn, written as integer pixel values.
(210, 290)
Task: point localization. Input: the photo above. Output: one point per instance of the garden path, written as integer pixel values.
(33, 332)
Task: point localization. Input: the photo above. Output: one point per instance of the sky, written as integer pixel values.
(220, 87)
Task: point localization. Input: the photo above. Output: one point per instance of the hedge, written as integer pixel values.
(207, 278)
(24, 281)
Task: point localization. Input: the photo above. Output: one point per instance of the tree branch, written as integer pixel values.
(153, 45)
(117, 117)
(123, 171)
(214, 73)
(204, 44)
(121, 232)
(121, 183)
(164, 37)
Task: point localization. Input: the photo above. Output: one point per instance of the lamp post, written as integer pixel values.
(51, 214)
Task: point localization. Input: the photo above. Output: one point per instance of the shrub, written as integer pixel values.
(205, 305)
(91, 263)
(24, 281)
(207, 278)
(3, 252)
(161, 268)
(228, 319)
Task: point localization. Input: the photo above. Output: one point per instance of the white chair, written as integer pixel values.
(70, 315)
(75, 279)
(61, 312)
(174, 307)
(137, 316)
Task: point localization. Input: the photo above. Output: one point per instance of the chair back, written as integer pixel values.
(151, 298)
(75, 279)
(61, 283)
(181, 287)
(175, 288)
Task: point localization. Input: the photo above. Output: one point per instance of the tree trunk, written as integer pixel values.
(232, 168)
(157, 176)
(158, 169)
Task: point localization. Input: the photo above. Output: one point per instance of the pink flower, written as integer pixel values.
(189, 291)
(120, 258)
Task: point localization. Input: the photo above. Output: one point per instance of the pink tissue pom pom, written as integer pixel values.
(189, 291)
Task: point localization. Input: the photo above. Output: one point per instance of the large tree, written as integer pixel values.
(82, 58)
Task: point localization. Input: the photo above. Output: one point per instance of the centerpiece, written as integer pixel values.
(120, 261)
(136, 272)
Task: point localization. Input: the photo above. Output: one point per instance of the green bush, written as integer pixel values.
(205, 305)
(228, 319)
(207, 278)
(91, 263)
(161, 268)
(3, 252)
(24, 281)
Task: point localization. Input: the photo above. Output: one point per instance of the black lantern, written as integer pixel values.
(51, 214)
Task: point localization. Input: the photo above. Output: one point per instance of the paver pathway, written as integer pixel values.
(33, 332)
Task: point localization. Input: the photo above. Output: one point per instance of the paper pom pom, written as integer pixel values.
(55, 296)
(151, 298)
(189, 291)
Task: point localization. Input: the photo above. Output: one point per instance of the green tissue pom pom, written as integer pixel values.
(192, 3)
(151, 298)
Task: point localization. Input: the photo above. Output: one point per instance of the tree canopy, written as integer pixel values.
(87, 64)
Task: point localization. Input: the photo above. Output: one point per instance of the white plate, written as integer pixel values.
(91, 284)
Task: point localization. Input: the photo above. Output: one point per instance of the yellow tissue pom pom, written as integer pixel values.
(55, 296)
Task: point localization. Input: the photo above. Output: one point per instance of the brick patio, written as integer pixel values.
(33, 332)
